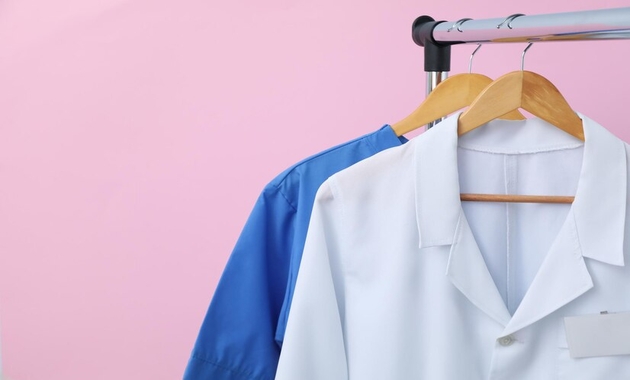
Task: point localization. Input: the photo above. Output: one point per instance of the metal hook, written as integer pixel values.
(509, 20)
(458, 24)
(471, 58)
(523, 56)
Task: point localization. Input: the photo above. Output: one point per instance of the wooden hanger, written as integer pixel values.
(521, 89)
(533, 93)
(453, 94)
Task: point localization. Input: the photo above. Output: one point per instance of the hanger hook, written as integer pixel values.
(509, 20)
(471, 58)
(458, 24)
(523, 56)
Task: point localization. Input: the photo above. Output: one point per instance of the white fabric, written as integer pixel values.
(399, 280)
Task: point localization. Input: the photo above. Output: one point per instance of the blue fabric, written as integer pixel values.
(242, 333)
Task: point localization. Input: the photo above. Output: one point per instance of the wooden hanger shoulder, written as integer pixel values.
(541, 95)
(521, 89)
(453, 94)
(502, 95)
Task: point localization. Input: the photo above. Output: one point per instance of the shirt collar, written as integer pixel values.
(599, 207)
(385, 138)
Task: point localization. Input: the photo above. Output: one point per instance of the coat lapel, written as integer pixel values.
(561, 278)
(594, 227)
(468, 272)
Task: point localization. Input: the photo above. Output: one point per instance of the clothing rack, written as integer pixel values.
(437, 37)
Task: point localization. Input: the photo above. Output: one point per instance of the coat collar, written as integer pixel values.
(599, 208)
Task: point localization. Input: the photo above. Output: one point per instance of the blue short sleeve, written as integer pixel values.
(242, 333)
(245, 307)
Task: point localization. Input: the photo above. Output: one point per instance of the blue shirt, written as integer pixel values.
(242, 333)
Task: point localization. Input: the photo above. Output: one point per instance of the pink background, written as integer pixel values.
(136, 136)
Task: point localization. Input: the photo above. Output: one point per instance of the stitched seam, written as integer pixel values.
(549, 149)
(433, 243)
(506, 179)
(369, 142)
(248, 375)
(347, 266)
(572, 296)
(285, 198)
(458, 285)
(325, 152)
(336, 192)
(416, 199)
(365, 138)
(575, 236)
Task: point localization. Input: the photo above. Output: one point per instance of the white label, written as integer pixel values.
(603, 334)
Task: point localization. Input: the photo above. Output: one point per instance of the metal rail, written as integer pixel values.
(437, 37)
(603, 24)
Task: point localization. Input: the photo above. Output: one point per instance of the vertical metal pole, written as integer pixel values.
(434, 78)
(437, 58)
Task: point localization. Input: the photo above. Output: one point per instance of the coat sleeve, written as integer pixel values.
(236, 340)
(314, 347)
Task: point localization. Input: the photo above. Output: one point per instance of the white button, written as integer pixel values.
(506, 341)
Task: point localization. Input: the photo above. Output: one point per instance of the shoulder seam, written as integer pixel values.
(324, 152)
(286, 199)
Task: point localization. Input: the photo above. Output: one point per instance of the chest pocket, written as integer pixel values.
(592, 368)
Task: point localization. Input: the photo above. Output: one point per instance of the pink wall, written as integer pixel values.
(136, 135)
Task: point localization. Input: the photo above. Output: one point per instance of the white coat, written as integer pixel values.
(400, 280)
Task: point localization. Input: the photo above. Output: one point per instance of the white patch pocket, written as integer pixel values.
(594, 347)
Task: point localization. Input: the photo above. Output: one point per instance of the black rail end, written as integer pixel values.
(437, 57)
